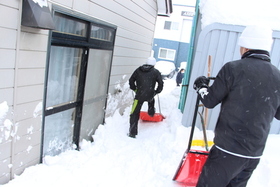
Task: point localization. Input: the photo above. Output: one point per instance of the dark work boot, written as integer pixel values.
(151, 111)
(131, 135)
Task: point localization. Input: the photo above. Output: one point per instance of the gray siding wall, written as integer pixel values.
(23, 54)
(220, 42)
(22, 62)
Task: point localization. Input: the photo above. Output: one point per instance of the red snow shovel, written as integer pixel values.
(192, 162)
(157, 117)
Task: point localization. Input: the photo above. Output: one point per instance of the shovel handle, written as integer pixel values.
(190, 139)
(191, 134)
(193, 123)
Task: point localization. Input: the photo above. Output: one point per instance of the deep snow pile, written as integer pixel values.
(241, 12)
(114, 159)
(5, 124)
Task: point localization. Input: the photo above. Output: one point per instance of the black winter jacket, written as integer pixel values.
(249, 93)
(143, 81)
(179, 77)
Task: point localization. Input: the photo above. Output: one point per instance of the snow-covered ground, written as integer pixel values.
(150, 160)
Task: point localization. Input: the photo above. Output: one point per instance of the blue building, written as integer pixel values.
(172, 34)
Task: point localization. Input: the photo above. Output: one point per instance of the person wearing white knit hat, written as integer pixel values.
(256, 37)
(143, 83)
(249, 93)
(151, 61)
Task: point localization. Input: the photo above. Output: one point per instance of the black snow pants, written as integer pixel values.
(225, 170)
(135, 114)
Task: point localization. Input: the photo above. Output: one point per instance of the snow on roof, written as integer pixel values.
(240, 12)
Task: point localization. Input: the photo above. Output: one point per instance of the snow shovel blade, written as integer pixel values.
(146, 117)
(191, 167)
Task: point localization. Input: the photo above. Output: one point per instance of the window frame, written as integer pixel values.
(174, 26)
(167, 50)
(57, 38)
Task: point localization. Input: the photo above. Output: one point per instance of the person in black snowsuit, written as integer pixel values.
(143, 82)
(180, 76)
(249, 92)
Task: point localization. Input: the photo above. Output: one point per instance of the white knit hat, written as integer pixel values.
(151, 61)
(256, 37)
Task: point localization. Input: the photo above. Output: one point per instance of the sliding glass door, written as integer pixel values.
(61, 98)
(77, 80)
(98, 69)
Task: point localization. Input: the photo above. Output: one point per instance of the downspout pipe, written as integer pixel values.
(185, 83)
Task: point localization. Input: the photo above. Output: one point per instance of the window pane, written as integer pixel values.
(170, 55)
(101, 33)
(67, 25)
(58, 132)
(98, 73)
(63, 77)
(167, 25)
(162, 53)
(175, 26)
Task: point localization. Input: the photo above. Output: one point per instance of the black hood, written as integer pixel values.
(146, 67)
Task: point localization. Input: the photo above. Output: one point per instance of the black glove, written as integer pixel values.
(201, 82)
(155, 93)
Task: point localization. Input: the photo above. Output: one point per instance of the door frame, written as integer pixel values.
(85, 43)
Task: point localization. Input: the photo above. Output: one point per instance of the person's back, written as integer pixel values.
(249, 92)
(143, 83)
(146, 77)
(250, 104)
